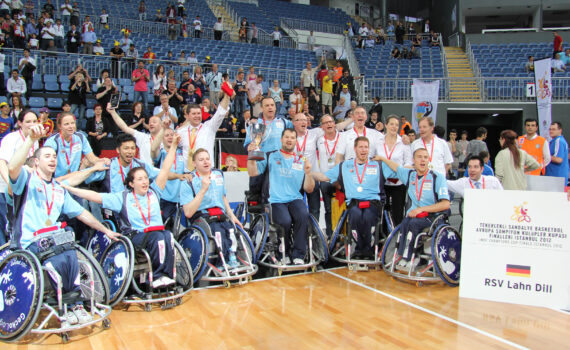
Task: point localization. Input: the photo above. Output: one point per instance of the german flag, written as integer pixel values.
(518, 270)
(235, 149)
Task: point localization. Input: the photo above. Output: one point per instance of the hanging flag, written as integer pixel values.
(233, 148)
(425, 96)
(543, 83)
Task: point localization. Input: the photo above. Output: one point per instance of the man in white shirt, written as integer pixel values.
(311, 41)
(214, 82)
(475, 180)
(346, 149)
(440, 158)
(557, 64)
(295, 100)
(197, 27)
(66, 10)
(218, 29)
(195, 134)
(255, 94)
(47, 34)
(165, 112)
(16, 86)
(308, 75)
(276, 35)
(59, 34)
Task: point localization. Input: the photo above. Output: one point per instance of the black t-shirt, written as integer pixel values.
(77, 96)
(238, 85)
(117, 51)
(131, 119)
(105, 99)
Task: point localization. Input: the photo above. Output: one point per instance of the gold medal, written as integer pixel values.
(48, 222)
(430, 166)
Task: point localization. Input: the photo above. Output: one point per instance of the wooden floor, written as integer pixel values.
(333, 309)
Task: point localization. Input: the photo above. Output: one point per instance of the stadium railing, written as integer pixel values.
(314, 26)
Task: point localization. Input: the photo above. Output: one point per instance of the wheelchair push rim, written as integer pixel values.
(194, 242)
(446, 250)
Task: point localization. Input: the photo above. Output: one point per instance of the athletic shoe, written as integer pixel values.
(166, 281)
(232, 261)
(70, 318)
(298, 261)
(157, 283)
(82, 315)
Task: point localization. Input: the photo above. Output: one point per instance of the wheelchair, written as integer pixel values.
(438, 248)
(130, 275)
(269, 244)
(29, 303)
(204, 250)
(342, 241)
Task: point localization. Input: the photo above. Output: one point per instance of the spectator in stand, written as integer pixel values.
(142, 11)
(180, 5)
(175, 98)
(197, 27)
(214, 84)
(417, 41)
(558, 42)
(557, 64)
(159, 17)
(231, 164)
(141, 77)
(125, 41)
(321, 74)
(478, 144)
(414, 53)
(411, 31)
(164, 111)
(66, 9)
(371, 122)
(6, 123)
(86, 23)
(225, 130)
(254, 33)
(327, 92)
(276, 93)
(340, 110)
(400, 32)
(19, 34)
(218, 29)
(104, 18)
(314, 102)
(396, 53)
(240, 87)
(296, 100)
(558, 165)
(2, 81)
(89, 39)
(207, 109)
(308, 75)
(77, 96)
(511, 162)
(31, 28)
(362, 34)
(159, 83)
(255, 94)
(48, 8)
(199, 81)
(276, 35)
(73, 39)
(116, 54)
(59, 34)
(98, 48)
(380, 35)
(311, 41)
(411, 135)
(131, 56)
(149, 56)
(101, 80)
(190, 96)
(46, 122)
(27, 65)
(369, 42)
(345, 95)
(251, 76)
(192, 59)
(97, 128)
(455, 153)
(434, 40)
(75, 14)
(243, 29)
(137, 120)
(426, 26)
(565, 57)
(207, 65)
(47, 34)
(29, 9)
(103, 97)
(529, 65)
(461, 147)
(17, 108)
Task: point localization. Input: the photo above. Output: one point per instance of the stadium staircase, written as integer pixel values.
(463, 85)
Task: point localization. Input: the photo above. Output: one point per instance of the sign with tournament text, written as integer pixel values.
(516, 248)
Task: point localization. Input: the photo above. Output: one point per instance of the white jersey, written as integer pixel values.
(399, 153)
(327, 150)
(8, 146)
(439, 154)
(347, 147)
(307, 146)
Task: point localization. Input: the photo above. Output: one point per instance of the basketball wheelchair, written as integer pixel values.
(30, 305)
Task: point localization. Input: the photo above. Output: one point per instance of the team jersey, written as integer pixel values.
(271, 140)
(171, 191)
(422, 191)
(399, 153)
(360, 181)
(68, 153)
(347, 147)
(135, 214)
(38, 204)
(558, 148)
(307, 146)
(8, 146)
(286, 177)
(213, 198)
(114, 178)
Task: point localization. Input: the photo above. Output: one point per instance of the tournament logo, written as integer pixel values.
(423, 109)
(543, 90)
(521, 213)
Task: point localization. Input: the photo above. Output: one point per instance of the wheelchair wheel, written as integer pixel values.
(258, 231)
(337, 231)
(316, 235)
(241, 213)
(101, 286)
(98, 241)
(4, 251)
(244, 251)
(184, 276)
(21, 294)
(389, 248)
(118, 264)
(446, 251)
(194, 242)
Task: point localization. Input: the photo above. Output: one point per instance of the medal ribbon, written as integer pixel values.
(329, 152)
(386, 151)
(483, 187)
(121, 169)
(419, 196)
(140, 209)
(48, 205)
(300, 150)
(70, 148)
(360, 179)
(363, 133)
(432, 143)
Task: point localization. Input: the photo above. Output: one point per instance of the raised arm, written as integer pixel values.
(78, 177)
(390, 163)
(119, 121)
(21, 154)
(318, 176)
(85, 194)
(309, 183)
(167, 164)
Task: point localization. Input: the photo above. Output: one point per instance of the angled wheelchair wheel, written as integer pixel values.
(241, 213)
(98, 241)
(194, 242)
(245, 249)
(184, 276)
(258, 232)
(21, 294)
(337, 231)
(4, 251)
(117, 263)
(389, 248)
(446, 251)
(100, 284)
(318, 239)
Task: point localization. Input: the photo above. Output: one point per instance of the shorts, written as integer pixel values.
(327, 99)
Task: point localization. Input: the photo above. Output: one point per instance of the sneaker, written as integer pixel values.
(298, 261)
(157, 283)
(232, 261)
(82, 315)
(166, 281)
(286, 261)
(70, 318)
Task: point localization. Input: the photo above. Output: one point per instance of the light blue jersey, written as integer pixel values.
(171, 191)
(135, 216)
(425, 189)
(271, 140)
(114, 178)
(558, 148)
(286, 177)
(372, 184)
(32, 197)
(213, 198)
(68, 153)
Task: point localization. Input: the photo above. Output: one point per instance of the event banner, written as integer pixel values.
(425, 96)
(543, 83)
(516, 247)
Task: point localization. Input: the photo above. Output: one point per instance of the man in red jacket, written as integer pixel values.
(557, 44)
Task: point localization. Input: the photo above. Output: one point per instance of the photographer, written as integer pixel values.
(214, 83)
(78, 89)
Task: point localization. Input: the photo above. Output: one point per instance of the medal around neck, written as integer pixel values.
(256, 131)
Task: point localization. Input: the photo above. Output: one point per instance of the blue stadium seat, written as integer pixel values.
(37, 85)
(37, 102)
(52, 86)
(54, 103)
(89, 113)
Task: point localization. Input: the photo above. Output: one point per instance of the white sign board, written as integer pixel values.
(530, 90)
(516, 248)
(237, 182)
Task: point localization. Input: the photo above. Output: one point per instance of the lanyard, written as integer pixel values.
(329, 152)
(48, 204)
(360, 179)
(292, 154)
(190, 141)
(432, 143)
(419, 196)
(121, 169)
(386, 151)
(24, 139)
(301, 151)
(363, 133)
(481, 181)
(70, 149)
(140, 209)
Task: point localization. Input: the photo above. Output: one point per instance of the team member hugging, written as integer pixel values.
(140, 215)
(205, 196)
(427, 191)
(39, 201)
(363, 184)
(288, 176)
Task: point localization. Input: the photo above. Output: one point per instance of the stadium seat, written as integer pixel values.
(37, 102)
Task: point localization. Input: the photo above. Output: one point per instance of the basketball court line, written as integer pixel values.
(433, 313)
